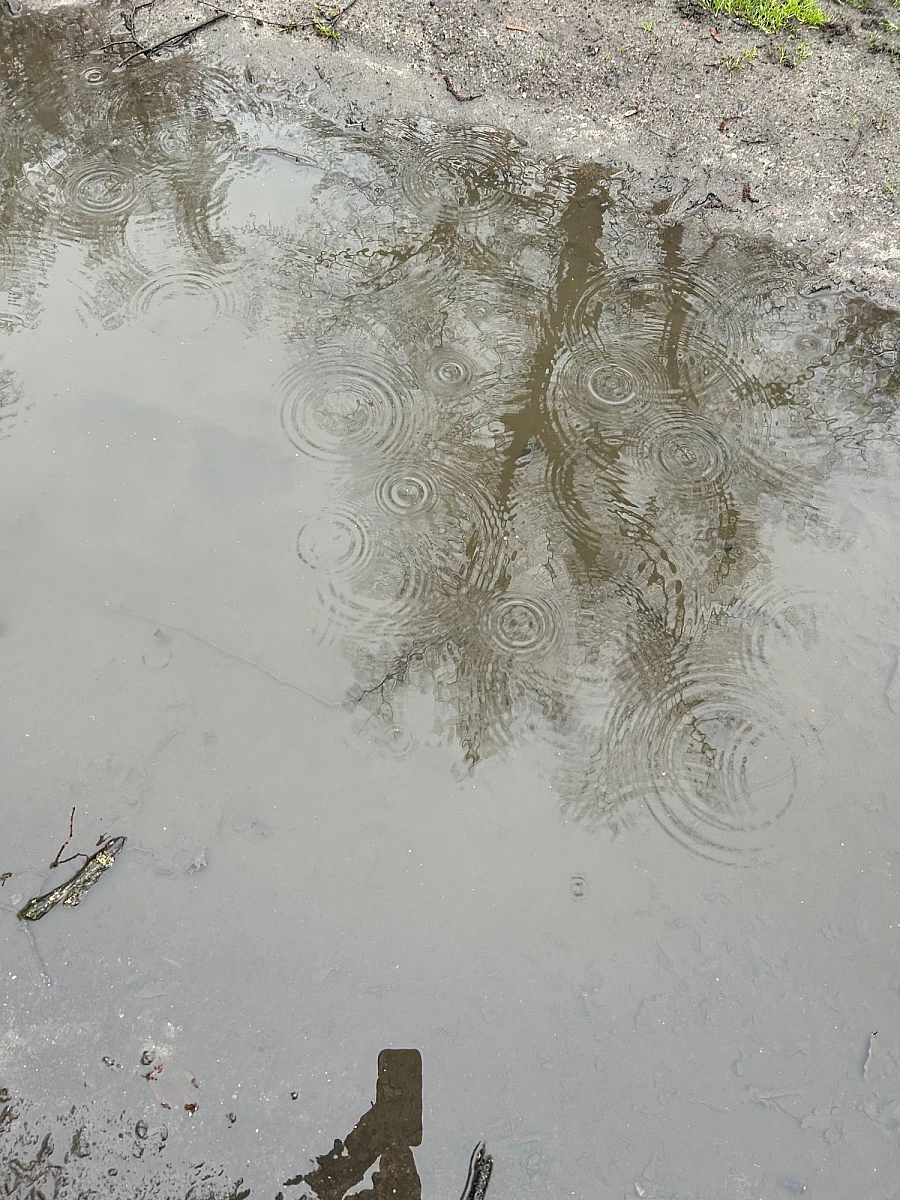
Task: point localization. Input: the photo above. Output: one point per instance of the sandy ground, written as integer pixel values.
(801, 142)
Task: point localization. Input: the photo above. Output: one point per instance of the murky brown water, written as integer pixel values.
(476, 602)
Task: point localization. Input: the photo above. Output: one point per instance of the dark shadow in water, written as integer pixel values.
(387, 1132)
(559, 431)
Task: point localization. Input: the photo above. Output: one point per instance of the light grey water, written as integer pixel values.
(476, 601)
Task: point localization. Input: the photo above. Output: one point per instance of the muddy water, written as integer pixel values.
(475, 600)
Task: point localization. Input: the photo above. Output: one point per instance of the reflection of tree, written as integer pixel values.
(557, 429)
(90, 155)
(608, 581)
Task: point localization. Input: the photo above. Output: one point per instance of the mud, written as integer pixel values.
(642, 87)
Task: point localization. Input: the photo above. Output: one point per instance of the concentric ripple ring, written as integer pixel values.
(523, 625)
(99, 191)
(405, 493)
(463, 174)
(335, 541)
(339, 404)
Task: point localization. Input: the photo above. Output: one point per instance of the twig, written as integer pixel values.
(73, 889)
(287, 26)
(710, 200)
(455, 94)
(175, 40)
(334, 20)
(480, 1167)
(3, 878)
(55, 862)
(304, 162)
(128, 17)
(519, 28)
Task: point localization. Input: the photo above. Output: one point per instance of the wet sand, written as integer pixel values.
(805, 153)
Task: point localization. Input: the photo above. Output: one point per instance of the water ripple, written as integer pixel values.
(184, 302)
(600, 395)
(715, 766)
(405, 492)
(97, 196)
(670, 313)
(369, 582)
(336, 541)
(771, 621)
(450, 372)
(690, 452)
(376, 599)
(341, 403)
(523, 625)
(460, 174)
(95, 76)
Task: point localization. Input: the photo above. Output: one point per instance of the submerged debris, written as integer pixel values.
(480, 1168)
(71, 892)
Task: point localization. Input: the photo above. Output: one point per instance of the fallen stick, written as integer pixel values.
(455, 94)
(175, 40)
(304, 162)
(338, 16)
(480, 1168)
(286, 26)
(72, 890)
(55, 862)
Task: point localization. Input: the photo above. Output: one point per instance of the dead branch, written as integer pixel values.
(455, 94)
(176, 39)
(286, 26)
(55, 862)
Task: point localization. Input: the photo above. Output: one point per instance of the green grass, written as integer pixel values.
(793, 56)
(744, 58)
(883, 45)
(324, 21)
(771, 15)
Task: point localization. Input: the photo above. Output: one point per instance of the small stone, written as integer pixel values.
(199, 863)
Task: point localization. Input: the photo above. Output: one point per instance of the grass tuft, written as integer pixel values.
(737, 62)
(325, 21)
(771, 15)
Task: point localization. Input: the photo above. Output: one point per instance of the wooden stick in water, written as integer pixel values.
(480, 1169)
(71, 892)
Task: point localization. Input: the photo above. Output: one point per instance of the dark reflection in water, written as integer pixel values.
(555, 427)
(386, 1134)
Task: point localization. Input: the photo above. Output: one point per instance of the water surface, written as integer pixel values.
(475, 599)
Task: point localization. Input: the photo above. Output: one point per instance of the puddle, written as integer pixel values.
(475, 601)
